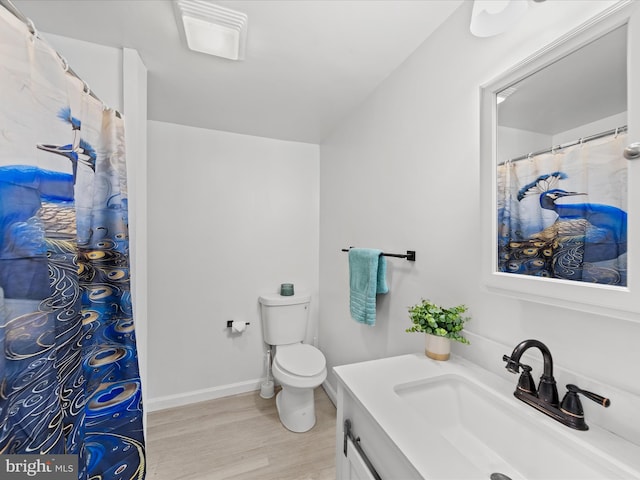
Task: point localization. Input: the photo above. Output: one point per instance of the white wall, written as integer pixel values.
(592, 128)
(513, 143)
(230, 217)
(134, 99)
(402, 172)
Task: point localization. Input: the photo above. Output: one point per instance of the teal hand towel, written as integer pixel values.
(367, 277)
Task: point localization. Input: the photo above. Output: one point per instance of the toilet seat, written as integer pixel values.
(300, 359)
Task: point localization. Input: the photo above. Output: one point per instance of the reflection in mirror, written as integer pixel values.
(562, 178)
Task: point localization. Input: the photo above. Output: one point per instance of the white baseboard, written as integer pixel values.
(187, 398)
(180, 399)
(331, 392)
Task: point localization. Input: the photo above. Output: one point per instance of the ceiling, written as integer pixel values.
(308, 63)
(585, 86)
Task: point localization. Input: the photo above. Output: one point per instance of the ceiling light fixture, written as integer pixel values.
(504, 94)
(491, 17)
(213, 29)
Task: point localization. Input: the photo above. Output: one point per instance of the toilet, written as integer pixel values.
(298, 367)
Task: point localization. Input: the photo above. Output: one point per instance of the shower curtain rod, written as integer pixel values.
(11, 8)
(596, 136)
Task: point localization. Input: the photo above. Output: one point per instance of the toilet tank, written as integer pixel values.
(284, 319)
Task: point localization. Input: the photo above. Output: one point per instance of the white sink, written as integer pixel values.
(492, 435)
(455, 420)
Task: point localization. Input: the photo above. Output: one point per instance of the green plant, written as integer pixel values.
(427, 317)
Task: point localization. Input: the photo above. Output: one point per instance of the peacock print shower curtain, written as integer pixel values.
(69, 379)
(563, 214)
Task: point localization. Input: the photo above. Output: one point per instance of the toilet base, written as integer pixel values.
(296, 408)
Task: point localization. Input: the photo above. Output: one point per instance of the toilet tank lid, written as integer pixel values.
(277, 299)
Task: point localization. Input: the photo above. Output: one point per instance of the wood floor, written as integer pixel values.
(239, 438)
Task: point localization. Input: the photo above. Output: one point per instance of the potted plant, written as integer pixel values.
(441, 325)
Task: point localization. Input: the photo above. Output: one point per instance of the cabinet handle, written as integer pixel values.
(348, 435)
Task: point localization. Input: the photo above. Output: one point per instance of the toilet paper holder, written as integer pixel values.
(230, 323)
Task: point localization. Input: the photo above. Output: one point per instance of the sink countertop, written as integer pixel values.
(372, 384)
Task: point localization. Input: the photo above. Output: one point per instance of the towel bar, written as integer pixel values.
(410, 255)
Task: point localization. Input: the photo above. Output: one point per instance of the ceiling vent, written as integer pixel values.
(213, 29)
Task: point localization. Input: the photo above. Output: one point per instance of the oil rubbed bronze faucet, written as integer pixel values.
(545, 397)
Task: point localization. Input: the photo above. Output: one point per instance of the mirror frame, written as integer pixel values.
(620, 302)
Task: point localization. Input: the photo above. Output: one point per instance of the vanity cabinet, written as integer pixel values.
(384, 456)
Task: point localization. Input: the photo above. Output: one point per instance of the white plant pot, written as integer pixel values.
(438, 348)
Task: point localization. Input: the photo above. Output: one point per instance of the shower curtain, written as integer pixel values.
(69, 380)
(563, 214)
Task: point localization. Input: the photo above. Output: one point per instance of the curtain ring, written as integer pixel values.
(581, 142)
(616, 134)
(530, 156)
(85, 88)
(32, 28)
(65, 64)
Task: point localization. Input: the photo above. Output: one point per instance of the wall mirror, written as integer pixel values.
(560, 201)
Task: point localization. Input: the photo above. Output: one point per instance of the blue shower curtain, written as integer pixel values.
(563, 214)
(69, 379)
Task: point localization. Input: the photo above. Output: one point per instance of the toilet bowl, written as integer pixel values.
(299, 368)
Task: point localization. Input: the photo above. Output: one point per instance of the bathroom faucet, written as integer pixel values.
(545, 397)
(547, 390)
